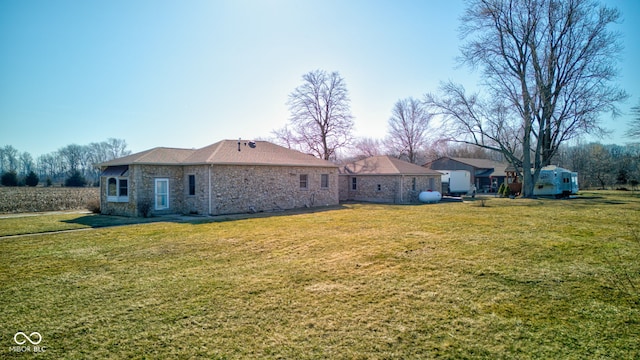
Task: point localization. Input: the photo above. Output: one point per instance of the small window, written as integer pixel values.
(413, 184)
(324, 181)
(354, 183)
(112, 187)
(117, 190)
(192, 184)
(123, 188)
(304, 181)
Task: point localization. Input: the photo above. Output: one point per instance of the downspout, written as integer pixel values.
(210, 166)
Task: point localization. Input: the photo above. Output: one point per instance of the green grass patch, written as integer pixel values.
(52, 222)
(513, 279)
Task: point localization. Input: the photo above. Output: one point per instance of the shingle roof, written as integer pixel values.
(480, 163)
(158, 156)
(385, 165)
(224, 152)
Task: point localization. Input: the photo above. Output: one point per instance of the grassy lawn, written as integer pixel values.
(511, 279)
(42, 223)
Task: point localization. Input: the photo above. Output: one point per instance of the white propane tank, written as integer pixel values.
(430, 196)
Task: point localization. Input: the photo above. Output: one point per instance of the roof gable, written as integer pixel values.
(385, 165)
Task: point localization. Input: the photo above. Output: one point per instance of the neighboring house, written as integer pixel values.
(486, 175)
(230, 176)
(386, 179)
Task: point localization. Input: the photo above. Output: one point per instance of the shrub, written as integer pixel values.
(75, 180)
(94, 206)
(9, 178)
(31, 179)
(145, 208)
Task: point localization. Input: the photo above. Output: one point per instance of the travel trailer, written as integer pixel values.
(556, 181)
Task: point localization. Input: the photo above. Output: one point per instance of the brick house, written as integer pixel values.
(230, 176)
(386, 179)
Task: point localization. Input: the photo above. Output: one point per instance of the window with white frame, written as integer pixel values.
(161, 194)
(117, 189)
(304, 181)
(354, 183)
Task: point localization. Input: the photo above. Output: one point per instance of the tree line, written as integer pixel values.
(72, 165)
(549, 73)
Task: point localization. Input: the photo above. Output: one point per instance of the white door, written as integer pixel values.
(162, 194)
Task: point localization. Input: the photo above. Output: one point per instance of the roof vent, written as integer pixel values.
(251, 144)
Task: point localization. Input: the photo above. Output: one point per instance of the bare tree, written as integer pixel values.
(115, 148)
(548, 67)
(366, 147)
(408, 124)
(26, 163)
(634, 124)
(321, 121)
(601, 167)
(8, 158)
(73, 156)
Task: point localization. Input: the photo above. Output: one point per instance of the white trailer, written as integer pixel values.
(556, 181)
(455, 182)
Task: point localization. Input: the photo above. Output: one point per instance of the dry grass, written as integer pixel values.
(37, 199)
(513, 279)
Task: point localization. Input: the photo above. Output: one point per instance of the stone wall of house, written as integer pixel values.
(198, 203)
(234, 189)
(343, 187)
(410, 191)
(141, 181)
(373, 188)
(145, 179)
(386, 188)
(128, 208)
(238, 189)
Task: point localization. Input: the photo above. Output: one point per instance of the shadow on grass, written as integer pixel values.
(98, 221)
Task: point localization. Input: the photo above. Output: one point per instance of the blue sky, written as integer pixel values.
(190, 73)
